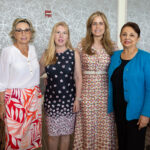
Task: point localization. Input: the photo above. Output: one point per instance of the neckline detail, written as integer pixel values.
(59, 53)
(17, 49)
(131, 58)
(97, 49)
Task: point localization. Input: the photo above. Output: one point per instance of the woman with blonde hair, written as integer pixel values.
(62, 66)
(20, 96)
(95, 129)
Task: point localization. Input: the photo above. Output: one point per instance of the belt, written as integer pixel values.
(94, 72)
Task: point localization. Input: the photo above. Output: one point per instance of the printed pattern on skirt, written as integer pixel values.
(23, 118)
(62, 125)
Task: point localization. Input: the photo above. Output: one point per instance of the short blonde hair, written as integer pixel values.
(20, 20)
(50, 53)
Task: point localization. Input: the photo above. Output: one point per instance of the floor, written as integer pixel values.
(45, 137)
(147, 147)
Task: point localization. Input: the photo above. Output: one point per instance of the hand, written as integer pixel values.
(2, 111)
(76, 106)
(143, 121)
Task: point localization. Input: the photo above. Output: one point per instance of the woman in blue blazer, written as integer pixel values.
(129, 89)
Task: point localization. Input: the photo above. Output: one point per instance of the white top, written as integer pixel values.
(18, 71)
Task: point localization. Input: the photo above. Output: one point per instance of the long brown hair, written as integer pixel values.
(50, 53)
(89, 40)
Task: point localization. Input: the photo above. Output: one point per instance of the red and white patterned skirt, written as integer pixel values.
(23, 118)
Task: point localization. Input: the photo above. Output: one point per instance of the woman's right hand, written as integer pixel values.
(2, 111)
(143, 121)
(76, 106)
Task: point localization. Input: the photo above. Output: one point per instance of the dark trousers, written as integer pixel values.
(129, 136)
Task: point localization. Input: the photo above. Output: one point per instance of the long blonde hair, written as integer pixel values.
(89, 40)
(50, 53)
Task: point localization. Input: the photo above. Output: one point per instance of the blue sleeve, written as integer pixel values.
(110, 96)
(110, 90)
(146, 106)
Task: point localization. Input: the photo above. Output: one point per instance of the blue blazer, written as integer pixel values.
(136, 84)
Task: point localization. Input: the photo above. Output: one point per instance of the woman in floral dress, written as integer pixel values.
(95, 129)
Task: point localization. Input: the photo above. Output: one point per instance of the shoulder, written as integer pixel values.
(74, 52)
(143, 54)
(116, 53)
(8, 50)
(9, 53)
(79, 47)
(45, 52)
(115, 58)
(70, 51)
(33, 50)
(32, 47)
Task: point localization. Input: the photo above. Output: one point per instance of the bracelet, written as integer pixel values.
(78, 99)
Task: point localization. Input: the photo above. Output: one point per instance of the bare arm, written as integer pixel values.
(42, 66)
(2, 105)
(78, 80)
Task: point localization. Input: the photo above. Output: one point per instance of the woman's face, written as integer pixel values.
(61, 36)
(22, 33)
(98, 27)
(129, 37)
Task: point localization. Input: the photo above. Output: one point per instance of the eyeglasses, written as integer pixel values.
(21, 31)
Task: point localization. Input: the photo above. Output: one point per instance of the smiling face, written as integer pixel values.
(129, 37)
(98, 27)
(22, 33)
(60, 36)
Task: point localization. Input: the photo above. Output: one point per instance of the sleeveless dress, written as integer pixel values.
(60, 95)
(94, 128)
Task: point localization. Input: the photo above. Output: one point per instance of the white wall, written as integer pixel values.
(139, 12)
(74, 12)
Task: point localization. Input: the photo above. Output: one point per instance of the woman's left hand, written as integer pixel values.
(143, 121)
(76, 106)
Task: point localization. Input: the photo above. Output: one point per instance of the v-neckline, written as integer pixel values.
(26, 57)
